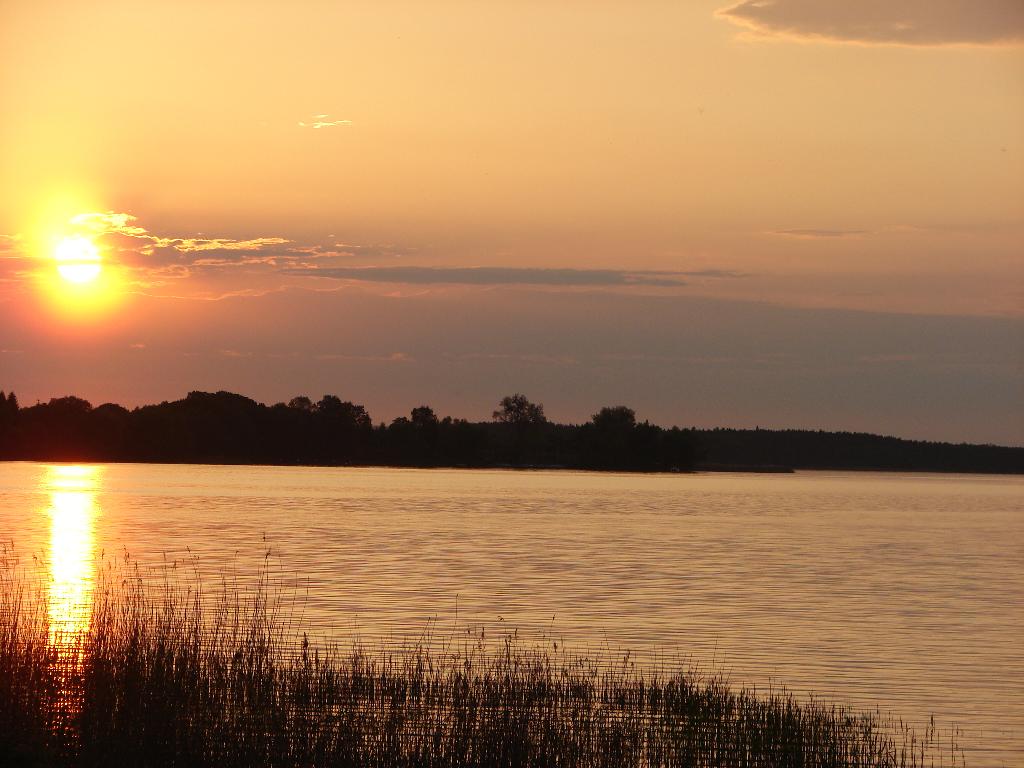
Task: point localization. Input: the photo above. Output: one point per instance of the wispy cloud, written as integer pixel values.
(124, 224)
(322, 121)
(818, 234)
(98, 223)
(154, 260)
(11, 247)
(170, 257)
(187, 245)
(505, 276)
(205, 267)
(394, 357)
(885, 22)
(15, 261)
(368, 251)
(536, 359)
(148, 261)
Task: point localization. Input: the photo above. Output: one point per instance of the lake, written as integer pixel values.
(899, 591)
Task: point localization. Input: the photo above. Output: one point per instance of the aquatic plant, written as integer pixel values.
(169, 675)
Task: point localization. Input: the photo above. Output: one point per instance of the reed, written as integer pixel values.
(167, 675)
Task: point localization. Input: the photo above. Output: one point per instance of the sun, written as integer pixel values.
(78, 260)
(78, 279)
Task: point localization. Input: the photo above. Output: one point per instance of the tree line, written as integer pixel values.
(223, 427)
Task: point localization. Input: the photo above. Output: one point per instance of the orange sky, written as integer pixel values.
(798, 159)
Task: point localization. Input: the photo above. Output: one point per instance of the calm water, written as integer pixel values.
(896, 590)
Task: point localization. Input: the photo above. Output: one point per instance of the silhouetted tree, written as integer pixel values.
(8, 406)
(613, 439)
(328, 404)
(462, 443)
(68, 406)
(57, 430)
(8, 418)
(424, 417)
(109, 430)
(343, 430)
(343, 411)
(520, 437)
(614, 418)
(516, 409)
(414, 440)
(301, 403)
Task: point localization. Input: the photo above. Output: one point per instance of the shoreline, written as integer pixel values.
(700, 469)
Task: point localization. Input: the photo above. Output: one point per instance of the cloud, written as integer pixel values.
(166, 252)
(394, 357)
(886, 22)
(152, 260)
(502, 276)
(187, 245)
(10, 247)
(714, 273)
(321, 121)
(818, 234)
(157, 257)
(351, 249)
(15, 261)
(210, 266)
(535, 359)
(96, 223)
(111, 223)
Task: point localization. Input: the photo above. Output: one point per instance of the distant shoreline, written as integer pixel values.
(698, 470)
(227, 428)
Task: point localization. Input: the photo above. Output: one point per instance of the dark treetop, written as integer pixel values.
(223, 427)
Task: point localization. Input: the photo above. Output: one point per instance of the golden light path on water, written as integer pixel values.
(73, 511)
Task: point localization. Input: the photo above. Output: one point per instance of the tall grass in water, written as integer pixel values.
(167, 677)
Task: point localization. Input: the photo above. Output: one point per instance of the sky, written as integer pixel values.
(796, 213)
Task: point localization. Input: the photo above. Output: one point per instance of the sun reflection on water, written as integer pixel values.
(73, 511)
